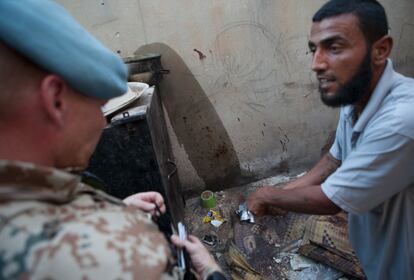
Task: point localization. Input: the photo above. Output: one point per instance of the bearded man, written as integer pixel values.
(368, 170)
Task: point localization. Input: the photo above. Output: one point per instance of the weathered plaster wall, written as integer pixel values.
(241, 100)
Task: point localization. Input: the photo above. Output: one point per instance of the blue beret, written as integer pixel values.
(46, 34)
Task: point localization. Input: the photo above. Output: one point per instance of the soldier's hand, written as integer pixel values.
(201, 259)
(146, 202)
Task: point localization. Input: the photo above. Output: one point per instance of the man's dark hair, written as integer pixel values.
(370, 13)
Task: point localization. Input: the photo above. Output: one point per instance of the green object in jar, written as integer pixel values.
(208, 199)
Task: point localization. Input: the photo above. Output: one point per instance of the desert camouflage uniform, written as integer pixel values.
(54, 227)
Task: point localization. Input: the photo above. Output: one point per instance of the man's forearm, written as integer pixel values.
(304, 195)
(309, 199)
(318, 174)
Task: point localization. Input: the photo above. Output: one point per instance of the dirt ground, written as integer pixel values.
(274, 263)
(227, 203)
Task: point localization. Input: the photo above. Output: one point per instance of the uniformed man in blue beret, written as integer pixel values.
(54, 79)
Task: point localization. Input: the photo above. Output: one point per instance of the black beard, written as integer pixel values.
(354, 90)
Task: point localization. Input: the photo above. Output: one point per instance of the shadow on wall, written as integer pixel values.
(195, 121)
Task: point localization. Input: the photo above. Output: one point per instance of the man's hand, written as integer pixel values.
(146, 202)
(200, 257)
(256, 202)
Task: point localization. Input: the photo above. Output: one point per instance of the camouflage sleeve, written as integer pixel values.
(83, 239)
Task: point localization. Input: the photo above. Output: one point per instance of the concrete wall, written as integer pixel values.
(241, 100)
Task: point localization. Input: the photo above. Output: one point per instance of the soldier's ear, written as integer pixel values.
(381, 50)
(52, 89)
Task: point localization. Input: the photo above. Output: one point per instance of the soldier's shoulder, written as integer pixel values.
(82, 238)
